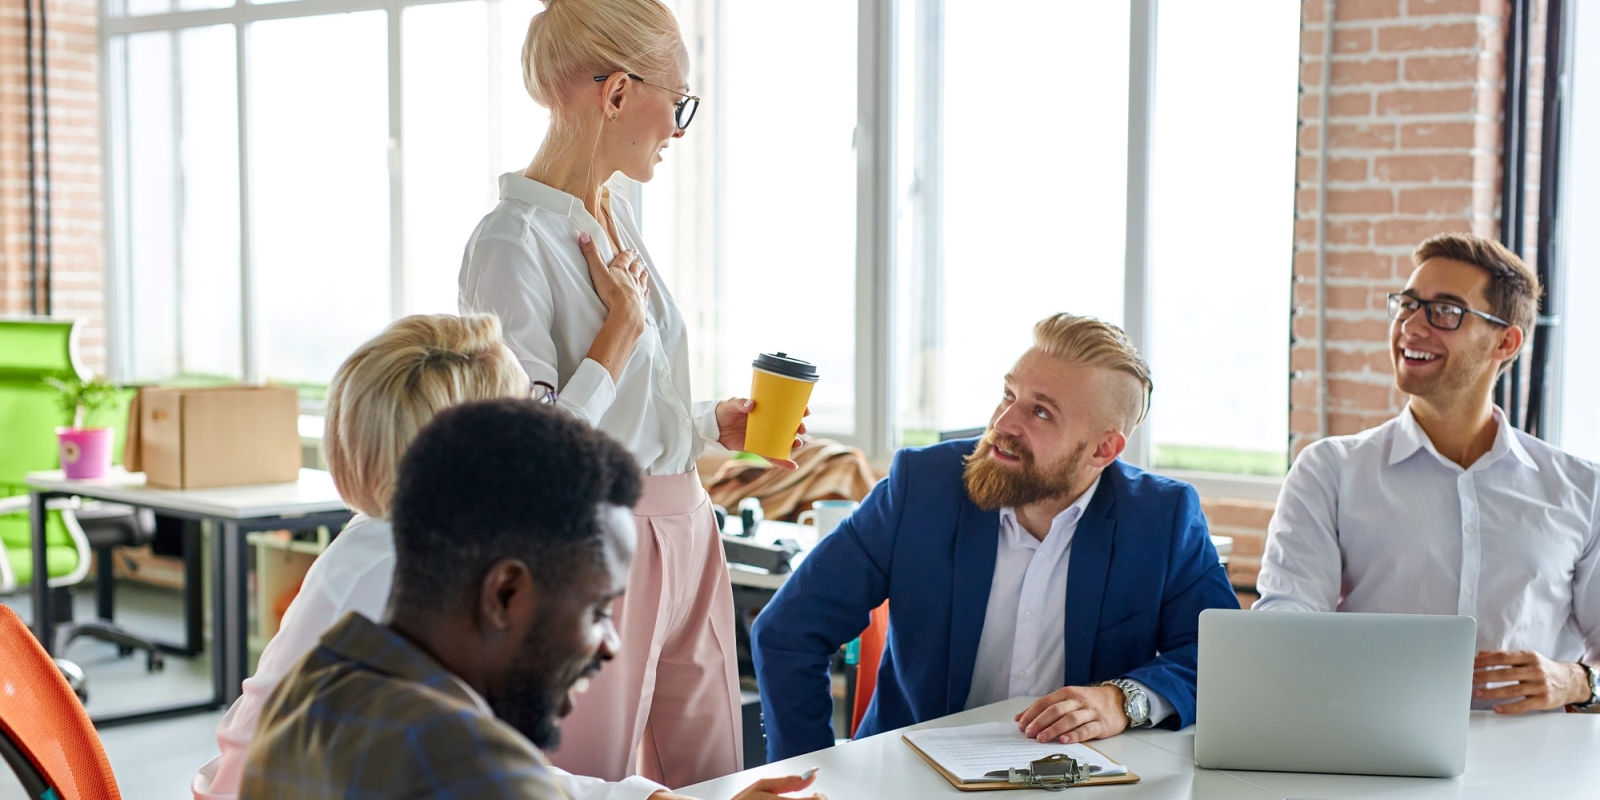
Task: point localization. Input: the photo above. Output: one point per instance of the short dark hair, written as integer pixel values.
(501, 479)
(1514, 289)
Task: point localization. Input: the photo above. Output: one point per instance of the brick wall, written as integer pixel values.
(1413, 149)
(77, 210)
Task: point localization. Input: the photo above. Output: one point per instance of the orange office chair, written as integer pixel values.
(869, 655)
(45, 735)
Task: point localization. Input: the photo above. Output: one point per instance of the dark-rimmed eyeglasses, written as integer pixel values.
(1442, 314)
(542, 392)
(684, 109)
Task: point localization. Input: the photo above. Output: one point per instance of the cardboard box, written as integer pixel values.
(220, 436)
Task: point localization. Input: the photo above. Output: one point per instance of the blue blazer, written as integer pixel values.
(1141, 570)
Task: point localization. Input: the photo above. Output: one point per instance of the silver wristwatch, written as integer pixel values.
(1593, 676)
(1135, 703)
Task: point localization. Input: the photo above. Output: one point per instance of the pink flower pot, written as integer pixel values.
(85, 452)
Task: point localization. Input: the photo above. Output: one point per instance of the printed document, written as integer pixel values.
(971, 751)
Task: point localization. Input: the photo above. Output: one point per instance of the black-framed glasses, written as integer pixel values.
(684, 109)
(543, 392)
(1442, 314)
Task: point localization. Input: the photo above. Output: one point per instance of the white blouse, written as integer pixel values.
(355, 574)
(523, 264)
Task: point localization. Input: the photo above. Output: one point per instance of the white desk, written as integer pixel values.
(1545, 755)
(309, 502)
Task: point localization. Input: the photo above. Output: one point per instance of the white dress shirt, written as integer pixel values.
(1022, 650)
(1381, 522)
(353, 574)
(523, 264)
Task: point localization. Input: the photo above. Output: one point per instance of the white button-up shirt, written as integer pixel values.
(523, 264)
(1381, 522)
(1022, 650)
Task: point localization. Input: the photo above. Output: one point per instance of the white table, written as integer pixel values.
(1544, 755)
(310, 502)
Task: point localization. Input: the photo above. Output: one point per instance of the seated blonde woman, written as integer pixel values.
(381, 396)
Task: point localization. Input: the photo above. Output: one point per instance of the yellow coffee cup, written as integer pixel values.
(781, 387)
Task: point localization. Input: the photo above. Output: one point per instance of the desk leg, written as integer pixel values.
(231, 656)
(44, 620)
(194, 590)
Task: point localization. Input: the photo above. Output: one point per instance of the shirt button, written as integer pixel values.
(1022, 673)
(688, 424)
(1027, 615)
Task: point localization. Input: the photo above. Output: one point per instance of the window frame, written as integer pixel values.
(877, 205)
(115, 27)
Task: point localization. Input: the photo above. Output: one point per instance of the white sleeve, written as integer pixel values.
(583, 787)
(1301, 569)
(509, 283)
(704, 413)
(1586, 588)
(315, 609)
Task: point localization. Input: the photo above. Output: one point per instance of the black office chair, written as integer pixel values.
(108, 526)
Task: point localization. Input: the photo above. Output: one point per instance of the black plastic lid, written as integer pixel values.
(783, 364)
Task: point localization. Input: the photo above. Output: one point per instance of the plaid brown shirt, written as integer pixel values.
(368, 714)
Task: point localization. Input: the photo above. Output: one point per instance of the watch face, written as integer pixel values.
(1141, 707)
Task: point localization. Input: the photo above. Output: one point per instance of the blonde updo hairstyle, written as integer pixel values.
(572, 41)
(393, 385)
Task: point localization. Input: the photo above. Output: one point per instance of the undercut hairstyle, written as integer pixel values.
(392, 385)
(1513, 292)
(502, 479)
(1092, 342)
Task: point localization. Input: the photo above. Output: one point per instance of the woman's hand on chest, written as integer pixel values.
(623, 286)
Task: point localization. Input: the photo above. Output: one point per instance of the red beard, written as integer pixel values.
(993, 485)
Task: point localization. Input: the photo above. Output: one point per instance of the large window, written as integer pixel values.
(369, 148)
(893, 189)
(1578, 385)
(1222, 235)
(1014, 180)
(1016, 193)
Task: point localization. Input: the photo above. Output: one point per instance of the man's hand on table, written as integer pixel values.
(765, 789)
(1075, 714)
(1535, 683)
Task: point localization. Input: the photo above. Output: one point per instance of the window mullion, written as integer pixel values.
(397, 237)
(1136, 272)
(874, 229)
(250, 338)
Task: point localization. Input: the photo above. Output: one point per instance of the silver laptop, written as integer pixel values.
(1371, 694)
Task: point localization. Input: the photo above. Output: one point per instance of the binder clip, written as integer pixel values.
(1052, 773)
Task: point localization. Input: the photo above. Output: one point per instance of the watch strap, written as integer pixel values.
(1127, 688)
(1592, 677)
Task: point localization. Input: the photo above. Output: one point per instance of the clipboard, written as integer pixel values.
(990, 786)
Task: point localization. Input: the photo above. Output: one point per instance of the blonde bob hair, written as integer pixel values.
(1089, 341)
(572, 41)
(392, 385)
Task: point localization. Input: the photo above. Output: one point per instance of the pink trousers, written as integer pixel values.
(667, 707)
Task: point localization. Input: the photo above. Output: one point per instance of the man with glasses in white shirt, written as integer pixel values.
(1448, 508)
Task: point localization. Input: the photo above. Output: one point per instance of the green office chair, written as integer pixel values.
(31, 350)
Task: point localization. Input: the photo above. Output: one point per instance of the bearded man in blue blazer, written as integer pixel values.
(1028, 562)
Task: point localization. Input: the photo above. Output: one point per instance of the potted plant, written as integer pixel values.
(85, 452)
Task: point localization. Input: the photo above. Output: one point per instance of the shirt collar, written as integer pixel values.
(1409, 437)
(1069, 517)
(380, 649)
(521, 188)
(472, 694)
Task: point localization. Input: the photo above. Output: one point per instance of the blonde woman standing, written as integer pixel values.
(562, 263)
